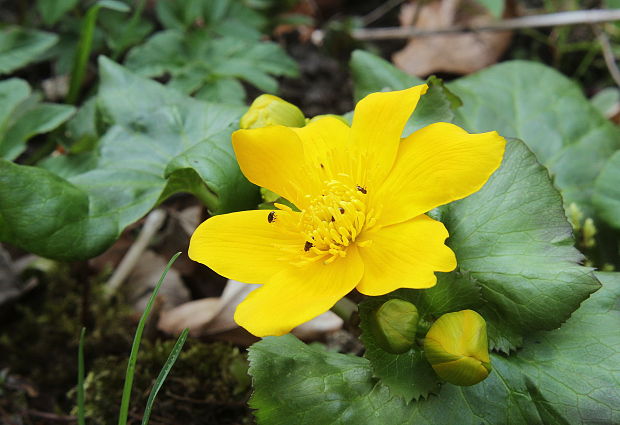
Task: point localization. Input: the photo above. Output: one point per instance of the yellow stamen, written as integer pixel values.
(334, 219)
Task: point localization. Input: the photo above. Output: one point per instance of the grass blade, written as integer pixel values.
(172, 358)
(85, 44)
(80, 388)
(135, 347)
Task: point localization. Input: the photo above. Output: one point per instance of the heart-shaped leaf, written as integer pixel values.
(159, 142)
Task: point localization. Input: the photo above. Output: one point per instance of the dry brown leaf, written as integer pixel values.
(143, 278)
(215, 316)
(461, 53)
(9, 284)
(193, 315)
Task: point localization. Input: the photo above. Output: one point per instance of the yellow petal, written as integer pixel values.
(404, 255)
(436, 165)
(378, 123)
(326, 147)
(298, 294)
(273, 157)
(245, 246)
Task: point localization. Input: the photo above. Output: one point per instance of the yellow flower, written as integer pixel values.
(361, 194)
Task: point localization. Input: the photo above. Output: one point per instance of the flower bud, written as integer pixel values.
(589, 231)
(268, 110)
(456, 346)
(319, 117)
(394, 325)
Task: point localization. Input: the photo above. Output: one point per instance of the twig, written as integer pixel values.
(535, 21)
(51, 416)
(151, 225)
(380, 11)
(608, 54)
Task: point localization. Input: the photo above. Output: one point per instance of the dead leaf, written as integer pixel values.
(460, 53)
(9, 284)
(145, 275)
(193, 315)
(215, 316)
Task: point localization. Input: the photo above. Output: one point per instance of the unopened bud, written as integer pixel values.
(456, 346)
(574, 215)
(268, 110)
(395, 325)
(589, 231)
(319, 117)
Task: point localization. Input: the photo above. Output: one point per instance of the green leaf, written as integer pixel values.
(21, 46)
(42, 118)
(372, 74)
(504, 98)
(197, 61)
(52, 10)
(514, 239)
(551, 115)
(159, 142)
(606, 101)
(606, 196)
(229, 89)
(437, 105)
(13, 92)
(495, 7)
(21, 117)
(223, 17)
(566, 376)
(82, 131)
(408, 375)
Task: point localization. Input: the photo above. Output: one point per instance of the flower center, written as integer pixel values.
(334, 220)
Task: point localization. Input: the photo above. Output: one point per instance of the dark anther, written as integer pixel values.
(361, 189)
(341, 210)
(333, 219)
(307, 246)
(322, 166)
(271, 217)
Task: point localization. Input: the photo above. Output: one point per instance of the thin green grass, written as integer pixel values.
(85, 45)
(133, 357)
(131, 366)
(172, 358)
(80, 388)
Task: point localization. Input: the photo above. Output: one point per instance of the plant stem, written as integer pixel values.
(536, 21)
(344, 309)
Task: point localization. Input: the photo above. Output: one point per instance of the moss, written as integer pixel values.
(203, 387)
(39, 338)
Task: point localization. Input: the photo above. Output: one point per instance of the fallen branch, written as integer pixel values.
(151, 225)
(610, 59)
(577, 17)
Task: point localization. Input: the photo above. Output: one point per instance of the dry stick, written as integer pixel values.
(380, 11)
(608, 54)
(151, 225)
(535, 21)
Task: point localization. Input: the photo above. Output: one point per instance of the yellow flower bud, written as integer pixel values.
(268, 110)
(589, 231)
(318, 117)
(456, 346)
(395, 324)
(574, 215)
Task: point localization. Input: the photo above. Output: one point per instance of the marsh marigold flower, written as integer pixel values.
(361, 194)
